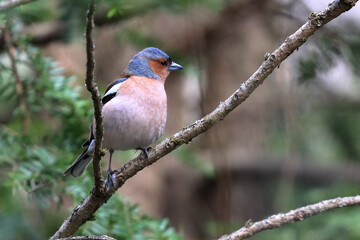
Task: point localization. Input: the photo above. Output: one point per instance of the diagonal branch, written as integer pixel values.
(300, 214)
(95, 95)
(273, 60)
(85, 210)
(5, 5)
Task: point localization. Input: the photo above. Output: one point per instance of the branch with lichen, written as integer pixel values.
(86, 209)
(297, 215)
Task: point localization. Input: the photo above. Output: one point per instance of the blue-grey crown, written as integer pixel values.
(139, 66)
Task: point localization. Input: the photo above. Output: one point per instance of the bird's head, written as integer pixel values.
(153, 63)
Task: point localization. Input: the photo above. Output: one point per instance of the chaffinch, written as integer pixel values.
(134, 108)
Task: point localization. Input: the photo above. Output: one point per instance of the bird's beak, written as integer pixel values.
(174, 66)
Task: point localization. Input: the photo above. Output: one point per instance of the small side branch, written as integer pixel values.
(300, 214)
(95, 95)
(18, 84)
(5, 5)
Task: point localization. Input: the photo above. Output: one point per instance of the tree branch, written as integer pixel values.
(300, 214)
(273, 60)
(96, 98)
(93, 202)
(5, 5)
(18, 84)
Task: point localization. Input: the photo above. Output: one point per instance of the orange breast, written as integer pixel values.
(136, 117)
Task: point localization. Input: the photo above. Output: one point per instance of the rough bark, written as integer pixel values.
(96, 98)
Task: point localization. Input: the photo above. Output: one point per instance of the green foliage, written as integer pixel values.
(32, 161)
(328, 128)
(308, 68)
(38, 11)
(7, 86)
(328, 49)
(327, 132)
(343, 123)
(2, 19)
(128, 8)
(323, 130)
(353, 53)
(58, 116)
(122, 220)
(34, 167)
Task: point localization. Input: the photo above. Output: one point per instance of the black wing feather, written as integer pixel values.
(104, 100)
(108, 97)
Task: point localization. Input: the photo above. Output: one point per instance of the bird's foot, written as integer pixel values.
(144, 152)
(110, 180)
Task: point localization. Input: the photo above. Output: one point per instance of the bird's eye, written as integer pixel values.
(164, 63)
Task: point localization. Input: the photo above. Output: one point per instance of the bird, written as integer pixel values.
(134, 109)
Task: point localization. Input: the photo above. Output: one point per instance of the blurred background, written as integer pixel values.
(295, 141)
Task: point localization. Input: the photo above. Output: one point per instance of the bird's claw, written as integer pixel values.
(110, 181)
(145, 152)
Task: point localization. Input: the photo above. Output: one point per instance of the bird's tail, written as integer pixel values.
(80, 164)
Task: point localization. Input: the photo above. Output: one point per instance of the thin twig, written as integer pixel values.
(95, 95)
(85, 210)
(18, 84)
(5, 5)
(300, 214)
